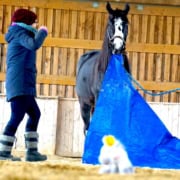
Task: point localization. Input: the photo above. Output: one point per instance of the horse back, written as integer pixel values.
(85, 73)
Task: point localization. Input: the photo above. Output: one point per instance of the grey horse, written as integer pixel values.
(92, 65)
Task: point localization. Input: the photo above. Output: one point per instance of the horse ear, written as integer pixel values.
(126, 9)
(109, 9)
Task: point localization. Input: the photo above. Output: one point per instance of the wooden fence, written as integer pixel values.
(153, 44)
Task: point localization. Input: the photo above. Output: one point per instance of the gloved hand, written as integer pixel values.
(44, 28)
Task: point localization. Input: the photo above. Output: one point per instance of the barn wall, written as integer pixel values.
(76, 27)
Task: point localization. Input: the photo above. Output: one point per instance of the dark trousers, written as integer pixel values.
(21, 105)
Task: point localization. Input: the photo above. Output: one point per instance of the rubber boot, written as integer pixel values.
(31, 142)
(6, 144)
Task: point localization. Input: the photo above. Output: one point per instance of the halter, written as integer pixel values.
(112, 38)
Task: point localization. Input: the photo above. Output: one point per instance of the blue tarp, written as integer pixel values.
(122, 112)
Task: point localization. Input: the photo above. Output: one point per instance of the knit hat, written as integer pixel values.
(25, 16)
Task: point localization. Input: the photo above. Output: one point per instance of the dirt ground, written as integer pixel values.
(60, 168)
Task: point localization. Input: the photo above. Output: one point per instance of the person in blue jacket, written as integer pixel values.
(23, 40)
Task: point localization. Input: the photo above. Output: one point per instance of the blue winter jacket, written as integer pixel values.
(21, 60)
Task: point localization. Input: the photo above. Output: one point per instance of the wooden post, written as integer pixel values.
(69, 133)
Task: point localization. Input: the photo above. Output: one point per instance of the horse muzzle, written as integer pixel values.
(117, 43)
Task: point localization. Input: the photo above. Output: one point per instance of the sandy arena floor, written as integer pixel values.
(59, 168)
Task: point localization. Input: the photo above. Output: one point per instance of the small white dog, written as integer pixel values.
(113, 157)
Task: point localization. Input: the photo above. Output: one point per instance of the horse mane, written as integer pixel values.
(105, 53)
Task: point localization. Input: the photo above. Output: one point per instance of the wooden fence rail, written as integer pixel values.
(96, 44)
(153, 44)
(70, 81)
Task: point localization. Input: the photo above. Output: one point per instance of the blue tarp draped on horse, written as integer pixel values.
(121, 111)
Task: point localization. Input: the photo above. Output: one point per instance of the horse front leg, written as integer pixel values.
(85, 110)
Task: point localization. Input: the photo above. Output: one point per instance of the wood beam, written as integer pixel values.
(88, 6)
(71, 81)
(49, 79)
(94, 44)
(153, 2)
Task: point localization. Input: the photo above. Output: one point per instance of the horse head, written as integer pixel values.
(117, 28)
